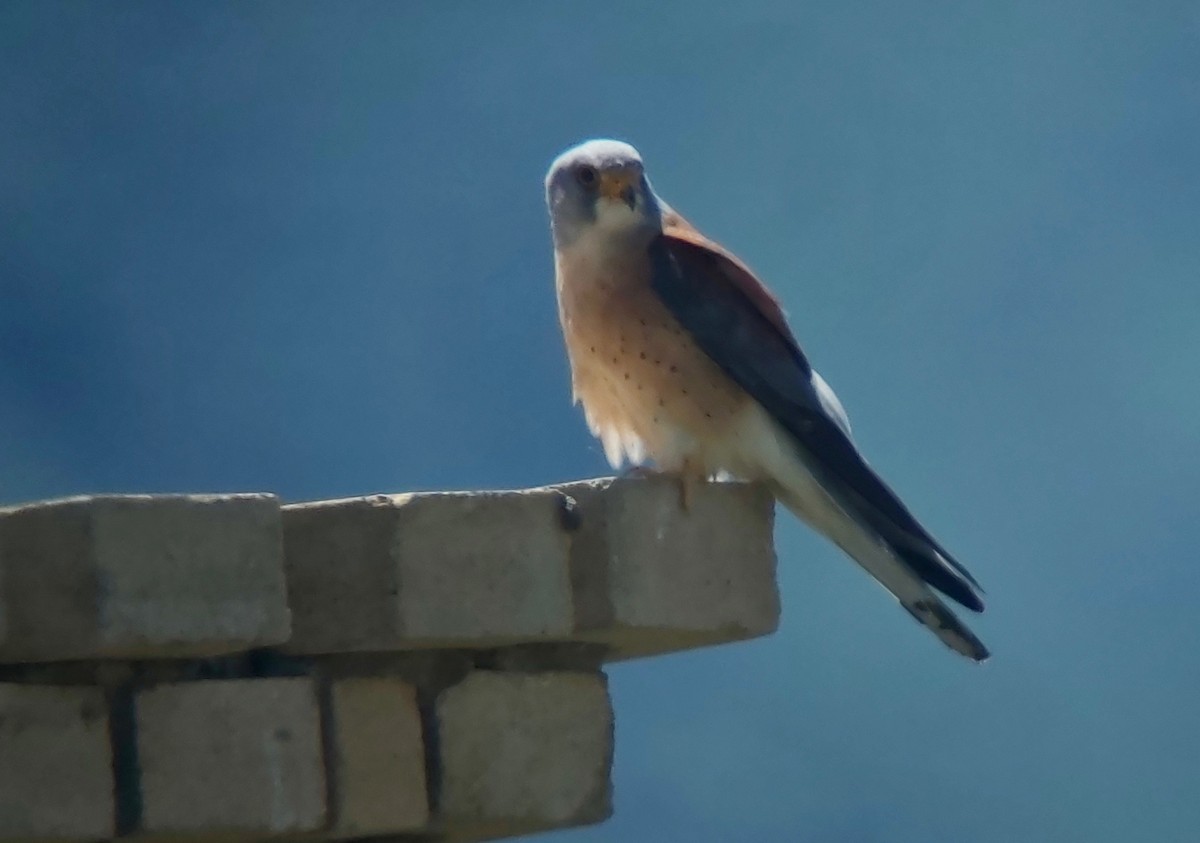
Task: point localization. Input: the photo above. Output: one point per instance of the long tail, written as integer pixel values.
(869, 550)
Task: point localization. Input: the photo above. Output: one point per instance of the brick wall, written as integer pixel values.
(426, 666)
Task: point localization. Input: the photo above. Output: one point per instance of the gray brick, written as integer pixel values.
(238, 756)
(427, 570)
(141, 577)
(378, 758)
(524, 752)
(55, 764)
(649, 577)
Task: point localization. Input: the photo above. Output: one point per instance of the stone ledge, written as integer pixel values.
(141, 577)
(442, 682)
(649, 577)
(613, 563)
(427, 570)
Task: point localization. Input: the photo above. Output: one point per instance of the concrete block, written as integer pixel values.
(427, 570)
(142, 577)
(239, 756)
(55, 764)
(649, 577)
(378, 758)
(524, 752)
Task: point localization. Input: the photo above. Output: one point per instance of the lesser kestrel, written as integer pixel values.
(681, 356)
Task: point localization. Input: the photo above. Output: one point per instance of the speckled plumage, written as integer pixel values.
(646, 388)
(681, 356)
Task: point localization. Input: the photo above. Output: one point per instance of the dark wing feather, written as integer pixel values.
(737, 323)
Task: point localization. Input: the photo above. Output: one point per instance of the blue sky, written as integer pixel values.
(302, 248)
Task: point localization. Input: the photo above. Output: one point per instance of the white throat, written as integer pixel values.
(615, 217)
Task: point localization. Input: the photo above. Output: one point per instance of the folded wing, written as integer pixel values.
(738, 323)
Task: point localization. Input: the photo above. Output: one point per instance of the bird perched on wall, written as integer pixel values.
(681, 356)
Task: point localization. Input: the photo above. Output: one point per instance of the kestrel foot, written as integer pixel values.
(689, 479)
(686, 492)
(640, 472)
(686, 478)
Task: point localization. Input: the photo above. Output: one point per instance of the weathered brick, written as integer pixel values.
(650, 577)
(141, 577)
(55, 763)
(378, 758)
(427, 570)
(239, 756)
(523, 752)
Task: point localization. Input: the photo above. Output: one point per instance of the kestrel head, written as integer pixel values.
(600, 185)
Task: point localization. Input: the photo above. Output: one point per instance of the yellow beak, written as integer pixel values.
(617, 185)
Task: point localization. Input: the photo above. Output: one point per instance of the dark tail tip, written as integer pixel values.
(936, 574)
(953, 632)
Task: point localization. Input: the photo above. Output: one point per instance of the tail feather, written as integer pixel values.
(936, 572)
(768, 452)
(887, 567)
(946, 626)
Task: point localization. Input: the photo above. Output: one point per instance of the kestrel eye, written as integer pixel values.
(586, 175)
